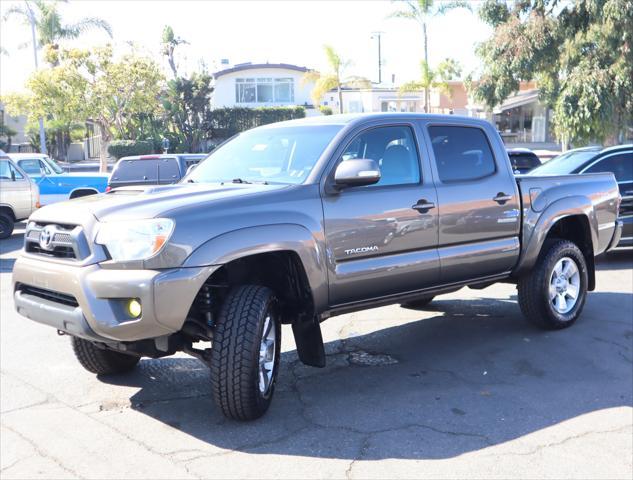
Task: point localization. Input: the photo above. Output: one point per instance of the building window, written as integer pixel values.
(264, 90)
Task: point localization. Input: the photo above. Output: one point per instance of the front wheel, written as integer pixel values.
(245, 352)
(6, 225)
(100, 360)
(553, 294)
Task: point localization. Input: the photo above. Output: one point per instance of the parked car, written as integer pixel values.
(296, 222)
(617, 160)
(152, 169)
(523, 160)
(19, 196)
(54, 183)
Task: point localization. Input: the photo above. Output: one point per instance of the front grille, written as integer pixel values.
(62, 240)
(56, 297)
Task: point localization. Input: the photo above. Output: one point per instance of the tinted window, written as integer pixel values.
(461, 153)
(565, 163)
(620, 165)
(393, 148)
(524, 161)
(146, 171)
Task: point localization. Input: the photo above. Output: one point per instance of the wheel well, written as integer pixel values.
(576, 229)
(8, 211)
(82, 192)
(281, 271)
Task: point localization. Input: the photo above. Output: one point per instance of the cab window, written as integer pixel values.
(393, 148)
(6, 171)
(620, 165)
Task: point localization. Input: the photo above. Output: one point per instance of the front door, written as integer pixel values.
(382, 239)
(480, 218)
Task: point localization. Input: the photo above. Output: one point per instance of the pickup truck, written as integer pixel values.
(54, 183)
(298, 221)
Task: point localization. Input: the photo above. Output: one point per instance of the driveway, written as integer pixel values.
(465, 388)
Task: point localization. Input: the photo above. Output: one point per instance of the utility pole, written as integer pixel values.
(378, 35)
(34, 38)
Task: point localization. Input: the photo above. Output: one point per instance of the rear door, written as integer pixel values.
(621, 165)
(479, 202)
(380, 239)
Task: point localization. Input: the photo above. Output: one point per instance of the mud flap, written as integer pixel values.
(309, 342)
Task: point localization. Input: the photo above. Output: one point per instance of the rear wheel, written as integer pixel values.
(6, 225)
(102, 361)
(245, 352)
(553, 294)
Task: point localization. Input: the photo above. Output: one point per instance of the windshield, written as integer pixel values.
(565, 163)
(272, 155)
(53, 164)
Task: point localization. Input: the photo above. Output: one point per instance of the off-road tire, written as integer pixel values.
(101, 361)
(235, 352)
(418, 304)
(533, 288)
(6, 225)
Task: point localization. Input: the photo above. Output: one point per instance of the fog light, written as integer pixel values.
(134, 308)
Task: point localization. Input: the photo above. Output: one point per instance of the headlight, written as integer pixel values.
(135, 239)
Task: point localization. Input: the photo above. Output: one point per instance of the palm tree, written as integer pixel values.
(421, 11)
(49, 25)
(324, 82)
(434, 79)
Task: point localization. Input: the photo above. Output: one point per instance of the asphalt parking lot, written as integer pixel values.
(464, 389)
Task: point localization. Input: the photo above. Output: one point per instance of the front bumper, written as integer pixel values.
(89, 301)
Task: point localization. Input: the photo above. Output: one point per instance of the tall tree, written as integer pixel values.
(168, 46)
(579, 53)
(49, 24)
(334, 79)
(421, 11)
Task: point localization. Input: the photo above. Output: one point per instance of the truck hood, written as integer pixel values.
(132, 203)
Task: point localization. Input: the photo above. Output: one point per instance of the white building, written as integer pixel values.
(262, 85)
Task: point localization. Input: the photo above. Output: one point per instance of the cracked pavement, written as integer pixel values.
(465, 388)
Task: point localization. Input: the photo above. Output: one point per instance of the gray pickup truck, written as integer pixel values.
(299, 221)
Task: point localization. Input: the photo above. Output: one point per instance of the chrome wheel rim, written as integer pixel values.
(564, 285)
(267, 351)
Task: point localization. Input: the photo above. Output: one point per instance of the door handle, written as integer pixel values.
(502, 198)
(423, 206)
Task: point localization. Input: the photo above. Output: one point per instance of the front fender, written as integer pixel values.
(269, 238)
(537, 225)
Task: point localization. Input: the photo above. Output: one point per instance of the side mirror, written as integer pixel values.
(356, 173)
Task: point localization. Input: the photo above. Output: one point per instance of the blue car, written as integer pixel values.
(55, 184)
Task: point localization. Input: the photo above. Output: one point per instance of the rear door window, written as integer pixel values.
(159, 170)
(620, 165)
(461, 153)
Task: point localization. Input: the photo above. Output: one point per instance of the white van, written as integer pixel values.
(19, 196)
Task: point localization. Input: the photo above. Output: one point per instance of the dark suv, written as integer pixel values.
(152, 169)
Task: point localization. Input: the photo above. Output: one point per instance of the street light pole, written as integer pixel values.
(378, 35)
(41, 120)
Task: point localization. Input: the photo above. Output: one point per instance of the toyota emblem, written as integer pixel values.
(46, 237)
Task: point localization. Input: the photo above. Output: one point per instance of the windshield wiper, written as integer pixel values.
(240, 180)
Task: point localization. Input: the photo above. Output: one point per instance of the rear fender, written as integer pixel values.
(537, 225)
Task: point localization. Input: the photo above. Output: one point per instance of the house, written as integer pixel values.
(262, 85)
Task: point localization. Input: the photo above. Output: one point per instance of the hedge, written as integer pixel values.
(226, 122)
(126, 148)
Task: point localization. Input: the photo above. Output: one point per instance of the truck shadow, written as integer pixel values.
(471, 376)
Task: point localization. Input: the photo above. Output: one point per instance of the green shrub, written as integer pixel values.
(226, 122)
(326, 110)
(126, 148)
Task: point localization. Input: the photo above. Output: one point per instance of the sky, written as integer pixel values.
(261, 31)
